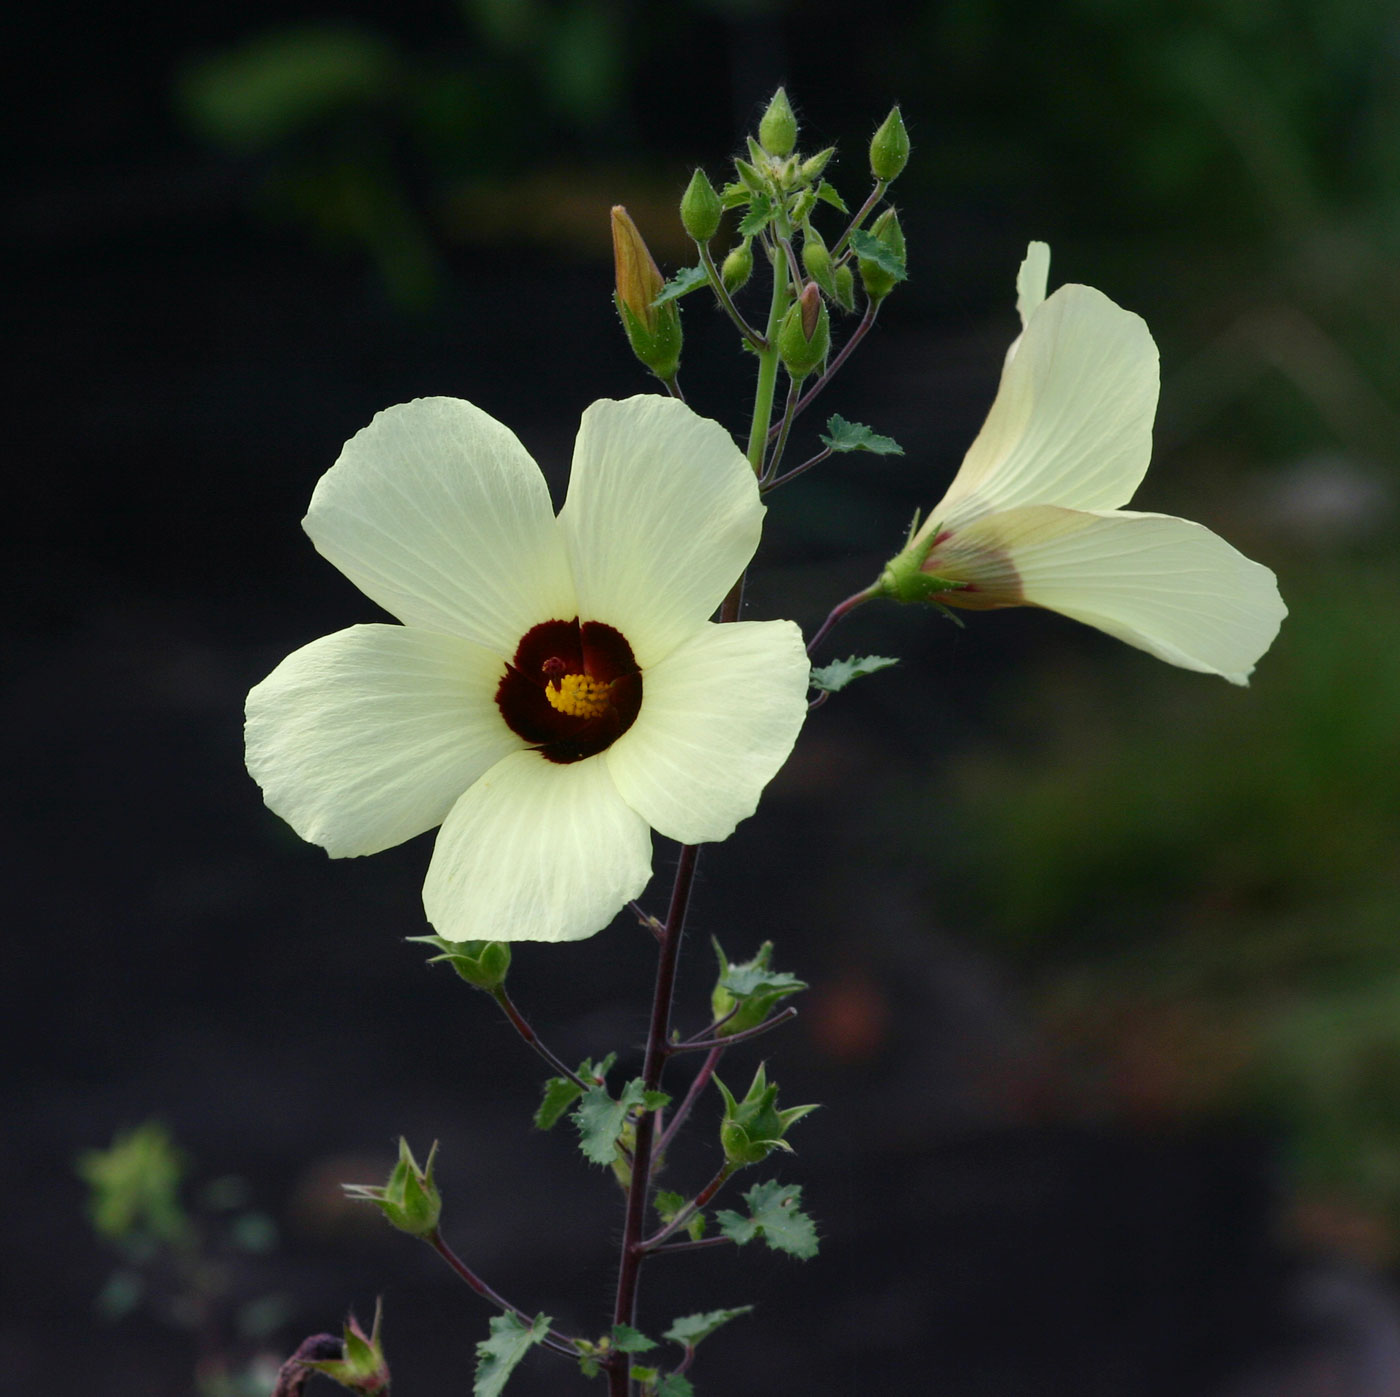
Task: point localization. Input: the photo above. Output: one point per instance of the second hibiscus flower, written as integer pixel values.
(556, 690)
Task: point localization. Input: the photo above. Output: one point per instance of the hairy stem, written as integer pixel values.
(522, 1027)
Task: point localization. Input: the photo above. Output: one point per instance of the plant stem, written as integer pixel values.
(858, 334)
(702, 1077)
(839, 610)
(784, 427)
(522, 1027)
(726, 301)
(726, 1172)
(560, 1343)
(694, 1044)
(629, 1270)
(797, 470)
(862, 213)
(767, 370)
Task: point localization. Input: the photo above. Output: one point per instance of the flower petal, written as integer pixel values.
(1072, 421)
(1165, 585)
(536, 851)
(437, 512)
(1031, 280)
(662, 516)
(364, 738)
(719, 717)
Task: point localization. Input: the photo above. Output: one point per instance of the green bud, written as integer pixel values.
(737, 267)
(777, 132)
(889, 148)
(754, 1127)
(483, 964)
(654, 332)
(845, 280)
(700, 208)
(750, 177)
(805, 334)
(877, 281)
(802, 206)
(361, 1366)
(410, 1200)
(747, 993)
(813, 166)
(816, 259)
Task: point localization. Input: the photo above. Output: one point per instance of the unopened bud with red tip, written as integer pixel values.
(361, 1366)
(805, 334)
(777, 132)
(889, 148)
(737, 267)
(700, 208)
(654, 332)
(410, 1200)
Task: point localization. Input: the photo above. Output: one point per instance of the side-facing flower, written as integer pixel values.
(1033, 516)
(556, 690)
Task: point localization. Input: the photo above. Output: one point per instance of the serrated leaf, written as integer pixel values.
(600, 1119)
(832, 678)
(690, 1329)
(775, 1216)
(759, 216)
(628, 1340)
(684, 281)
(676, 1385)
(497, 1356)
(732, 195)
(560, 1093)
(856, 436)
(868, 246)
(826, 192)
(742, 980)
(667, 1204)
(588, 1366)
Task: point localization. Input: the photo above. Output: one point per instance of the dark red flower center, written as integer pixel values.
(572, 690)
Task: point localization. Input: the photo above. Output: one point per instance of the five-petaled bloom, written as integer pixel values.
(1032, 517)
(556, 689)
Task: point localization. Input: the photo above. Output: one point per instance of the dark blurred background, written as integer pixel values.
(1104, 955)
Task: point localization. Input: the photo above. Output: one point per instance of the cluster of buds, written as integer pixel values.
(776, 192)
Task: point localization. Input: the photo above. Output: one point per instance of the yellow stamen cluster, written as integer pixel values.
(579, 696)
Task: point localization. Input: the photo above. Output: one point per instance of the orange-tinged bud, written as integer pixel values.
(639, 279)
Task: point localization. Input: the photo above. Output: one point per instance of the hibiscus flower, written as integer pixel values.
(556, 690)
(1032, 517)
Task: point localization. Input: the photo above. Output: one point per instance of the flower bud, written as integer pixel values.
(700, 208)
(747, 993)
(845, 280)
(777, 132)
(889, 148)
(361, 1366)
(816, 259)
(653, 331)
(877, 281)
(754, 1127)
(737, 267)
(813, 166)
(483, 964)
(805, 334)
(410, 1199)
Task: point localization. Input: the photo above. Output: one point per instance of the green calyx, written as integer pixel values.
(747, 993)
(410, 1199)
(701, 209)
(482, 964)
(777, 132)
(754, 1127)
(737, 267)
(361, 1367)
(904, 579)
(883, 269)
(889, 148)
(805, 334)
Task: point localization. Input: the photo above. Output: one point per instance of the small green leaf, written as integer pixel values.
(668, 1204)
(588, 1366)
(690, 1329)
(684, 281)
(600, 1119)
(627, 1340)
(760, 215)
(676, 1385)
(826, 192)
(832, 678)
(732, 195)
(868, 246)
(497, 1356)
(775, 1216)
(856, 436)
(644, 1375)
(560, 1093)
